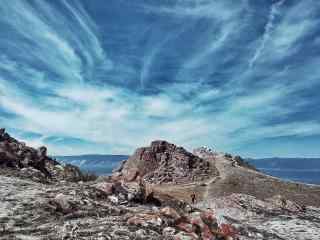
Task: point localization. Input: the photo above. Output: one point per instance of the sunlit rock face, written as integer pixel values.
(164, 162)
(29, 162)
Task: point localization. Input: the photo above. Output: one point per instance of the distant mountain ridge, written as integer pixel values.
(101, 164)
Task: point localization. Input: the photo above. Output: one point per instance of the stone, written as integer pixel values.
(113, 199)
(131, 174)
(168, 232)
(106, 187)
(206, 233)
(42, 152)
(208, 217)
(63, 203)
(145, 220)
(116, 176)
(185, 236)
(170, 212)
(227, 230)
(137, 221)
(195, 219)
(186, 227)
(141, 233)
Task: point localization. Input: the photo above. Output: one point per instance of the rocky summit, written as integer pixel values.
(163, 162)
(160, 192)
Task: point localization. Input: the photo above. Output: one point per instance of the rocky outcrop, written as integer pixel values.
(29, 162)
(163, 162)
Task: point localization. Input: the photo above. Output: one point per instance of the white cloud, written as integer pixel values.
(274, 12)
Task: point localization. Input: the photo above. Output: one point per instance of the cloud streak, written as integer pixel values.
(274, 11)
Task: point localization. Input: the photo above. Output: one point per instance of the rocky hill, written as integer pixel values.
(163, 162)
(148, 197)
(208, 174)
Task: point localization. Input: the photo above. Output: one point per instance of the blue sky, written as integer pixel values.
(96, 76)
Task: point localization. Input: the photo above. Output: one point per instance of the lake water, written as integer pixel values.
(305, 176)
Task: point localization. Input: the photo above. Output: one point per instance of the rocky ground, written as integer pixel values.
(272, 218)
(148, 197)
(97, 210)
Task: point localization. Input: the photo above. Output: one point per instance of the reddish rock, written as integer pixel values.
(206, 233)
(227, 230)
(163, 162)
(208, 217)
(195, 219)
(186, 227)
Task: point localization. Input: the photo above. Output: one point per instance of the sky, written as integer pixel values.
(92, 76)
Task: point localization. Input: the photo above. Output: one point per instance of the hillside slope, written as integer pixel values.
(222, 175)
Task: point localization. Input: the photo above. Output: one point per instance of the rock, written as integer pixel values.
(63, 203)
(283, 203)
(72, 173)
(170, 213)
(131, 174)
(42, 152)
(195, 219)
(137, 221)
(120, 167)
(163, 162)
(116, 176)
(227, 230)
(208, 217)
(203, 152)
(206, 233)
(132, 191)
(185, 236)
(186, 227)
(114, 199)
(34, 174)
(16, 155)
(168, 232)
(107, 187)
(145, 220)
(141, 233)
